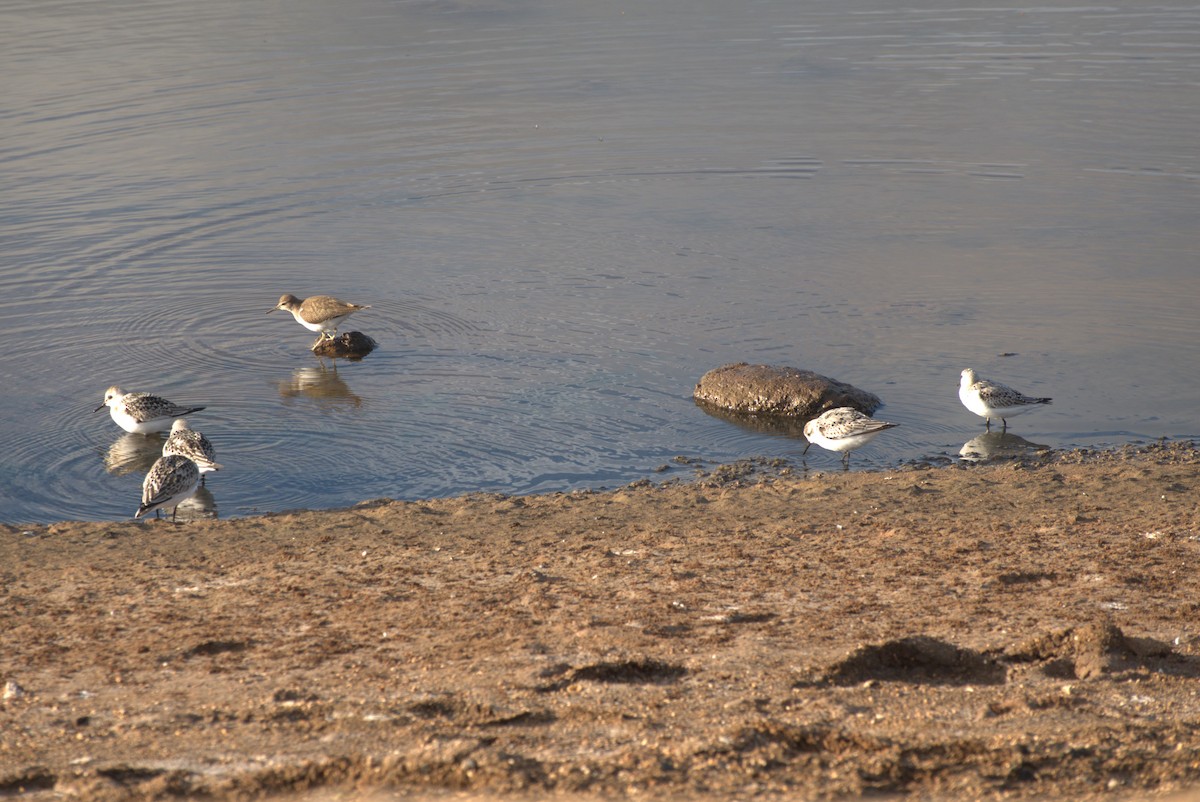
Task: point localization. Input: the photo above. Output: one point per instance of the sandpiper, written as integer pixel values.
(187, 442)
(843, 429)
(171, 480)
(142, 413)
(322, 313)
(989, 399)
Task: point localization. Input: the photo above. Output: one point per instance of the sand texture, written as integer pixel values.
(1007, 632)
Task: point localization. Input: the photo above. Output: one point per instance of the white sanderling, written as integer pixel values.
(989, 399)
(187, 442)
(171, 480)
(142, 413)
(321, 313)
(843, 429)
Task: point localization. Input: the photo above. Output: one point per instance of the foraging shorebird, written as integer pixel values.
(989, 399)
(172, 479)
(187, 442)
(142, 413)
(321, 313)
(843, 429)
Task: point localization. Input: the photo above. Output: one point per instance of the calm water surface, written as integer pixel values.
(563, 214)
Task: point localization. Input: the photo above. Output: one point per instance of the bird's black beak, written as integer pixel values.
(97, 409)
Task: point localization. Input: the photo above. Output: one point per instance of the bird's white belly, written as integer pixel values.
(133, 425)
(973, 402)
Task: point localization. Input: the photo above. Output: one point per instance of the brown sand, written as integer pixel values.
(1017, 631)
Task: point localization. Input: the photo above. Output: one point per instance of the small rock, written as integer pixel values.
(349, 345)
(12, 690)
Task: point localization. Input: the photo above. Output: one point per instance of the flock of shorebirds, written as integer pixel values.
(187, 454)
(845, 428)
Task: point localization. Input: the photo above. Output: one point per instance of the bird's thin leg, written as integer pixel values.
(987, 423)
(806, 448)
(1005, 422)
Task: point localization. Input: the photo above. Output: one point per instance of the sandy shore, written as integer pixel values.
(1015, 631)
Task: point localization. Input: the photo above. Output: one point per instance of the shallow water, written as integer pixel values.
(562, 215)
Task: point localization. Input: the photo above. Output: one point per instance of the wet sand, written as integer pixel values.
(1001, 632)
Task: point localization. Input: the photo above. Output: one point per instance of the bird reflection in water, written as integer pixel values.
(132, 453)
(137, 453)
(998, 445)
(200, 506)
(322, 386)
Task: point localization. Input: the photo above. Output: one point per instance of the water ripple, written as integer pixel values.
(562, 217)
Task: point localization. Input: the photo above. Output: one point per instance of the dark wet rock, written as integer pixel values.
(348, 345)
(776, 390)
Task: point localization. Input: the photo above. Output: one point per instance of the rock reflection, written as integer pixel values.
(320, 385)
(133, 453)
(759, 424)
(998, 445)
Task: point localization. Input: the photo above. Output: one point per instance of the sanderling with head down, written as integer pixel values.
(843, 429)
(321, 313)
(172, 479)
(142, 413)
(989, 399)
(187, 442)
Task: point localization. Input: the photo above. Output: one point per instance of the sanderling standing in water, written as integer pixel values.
(992, 400)
(321, 313)
(142, 413)
(186, 442)
(843, 429)
(171, 480)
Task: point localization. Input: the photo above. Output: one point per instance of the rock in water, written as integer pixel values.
(779, 391)
(348, 345)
